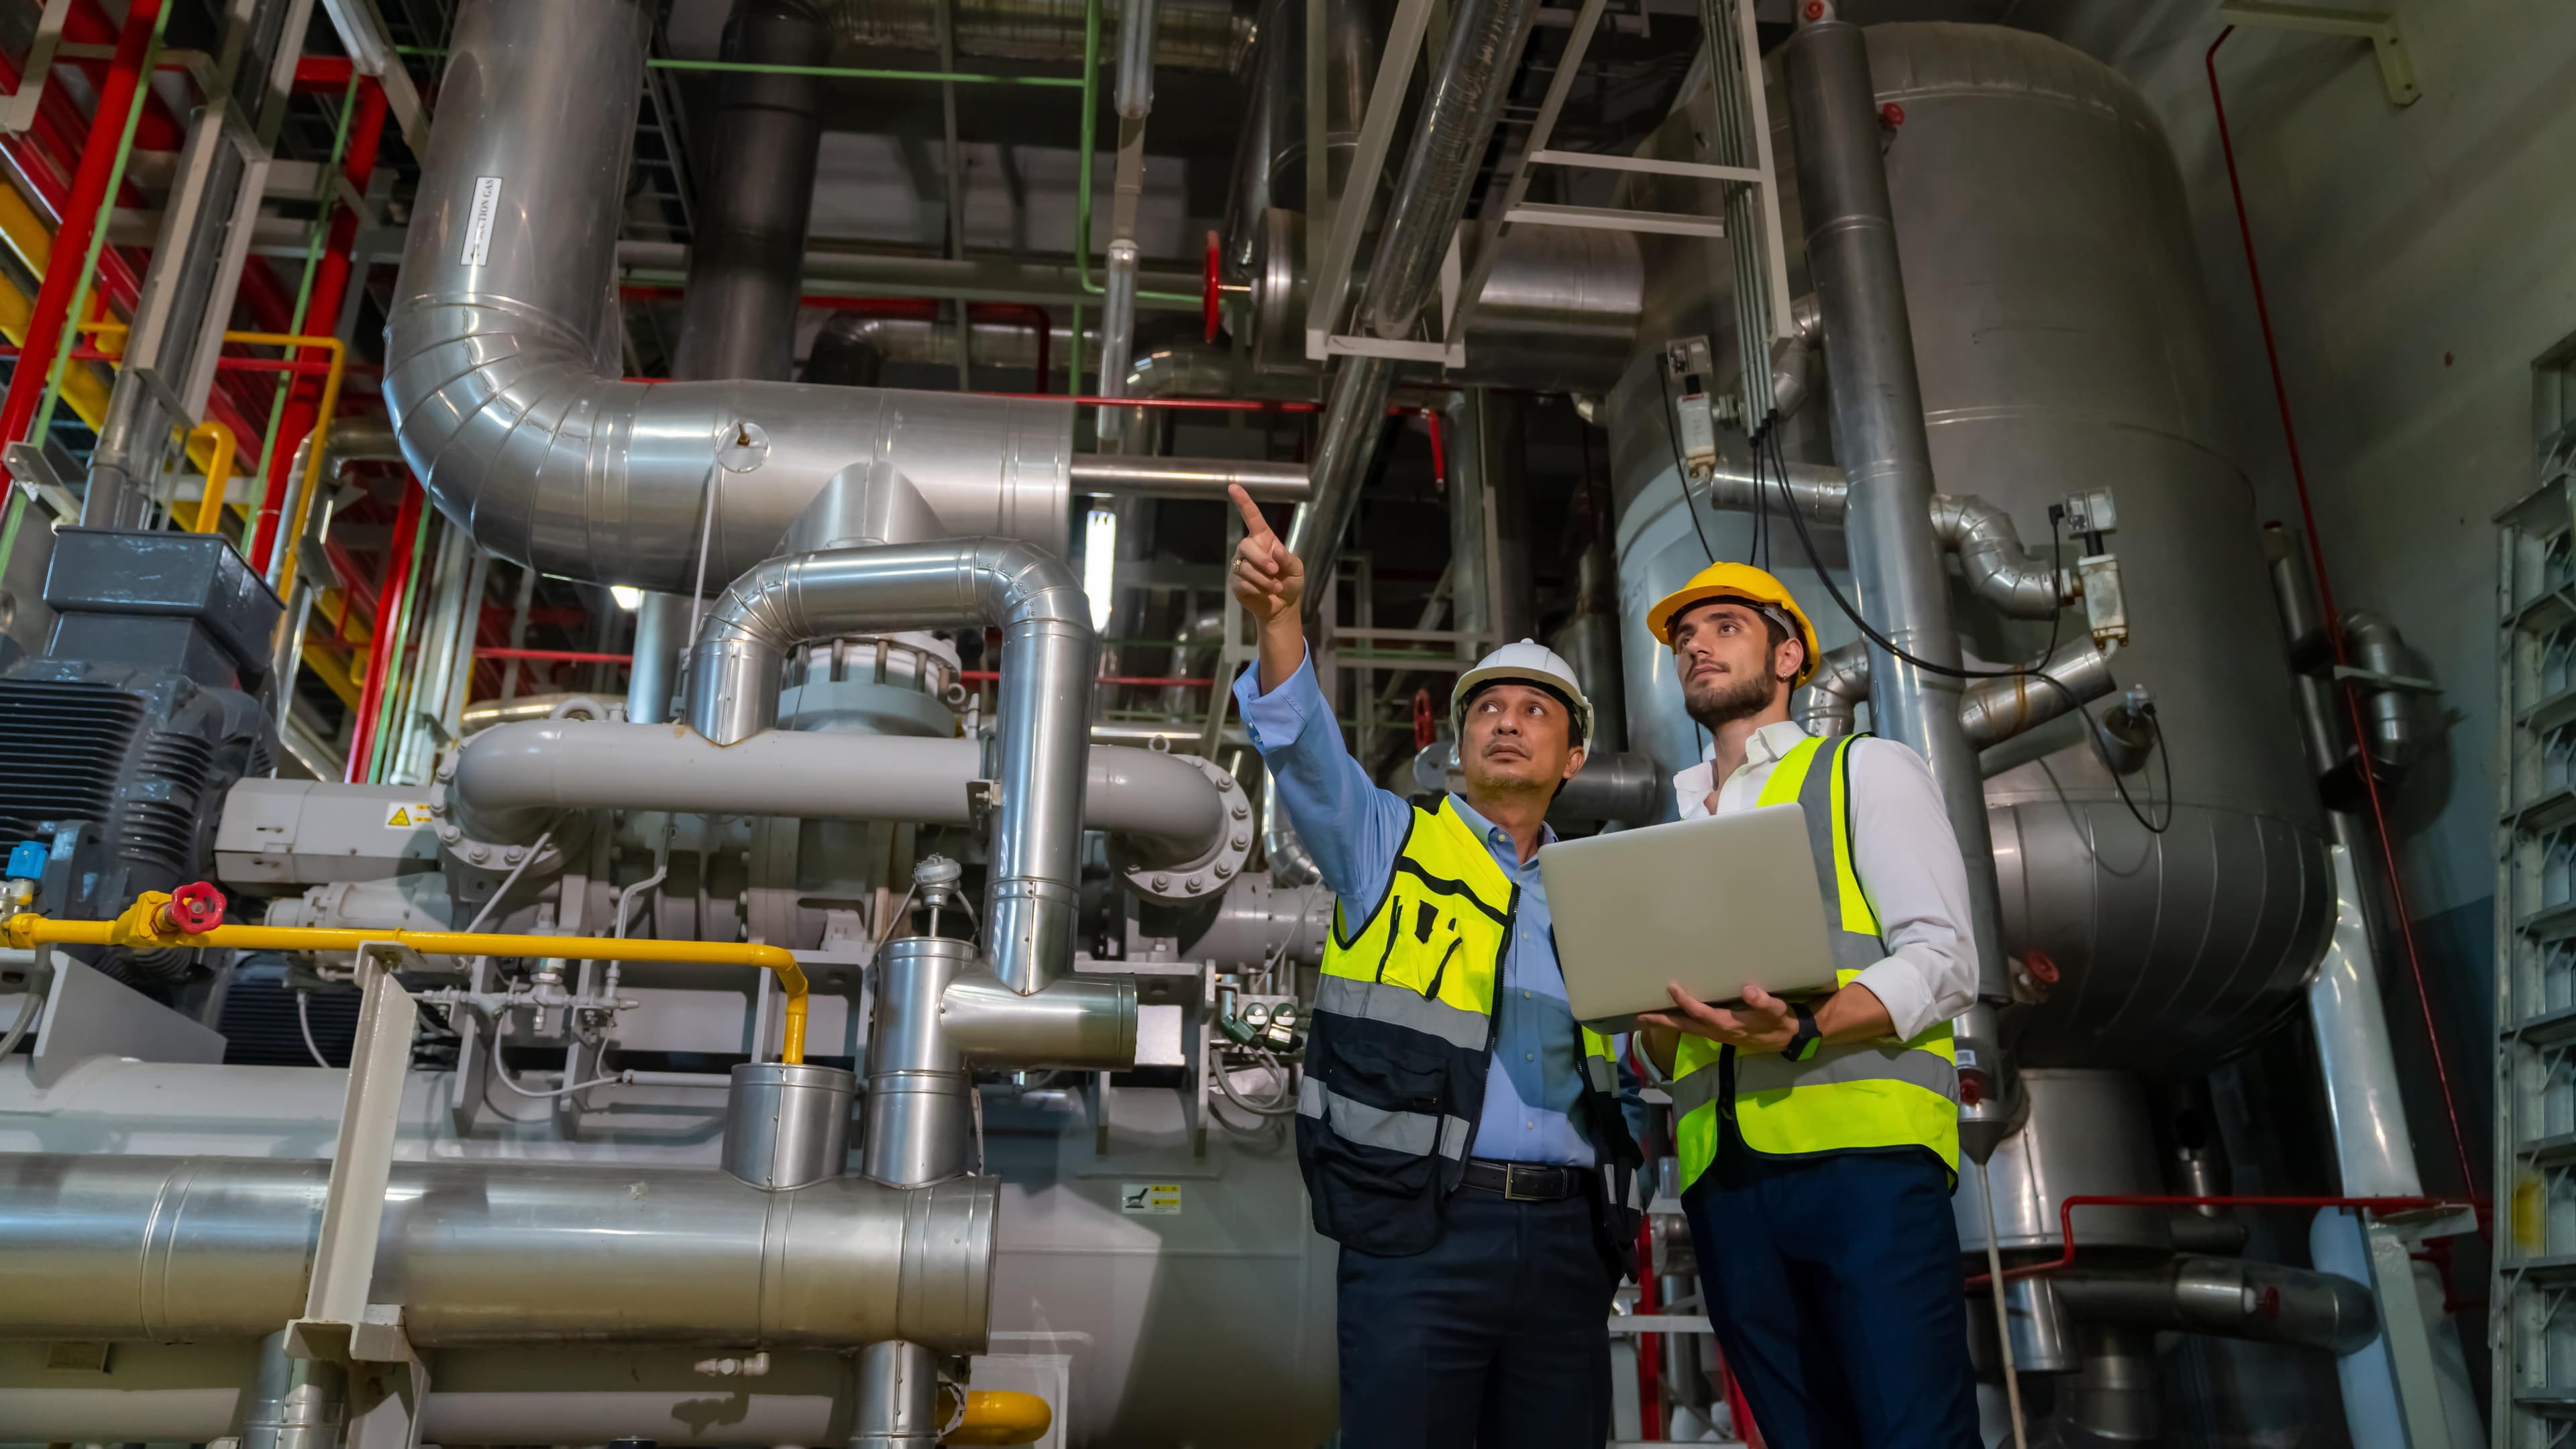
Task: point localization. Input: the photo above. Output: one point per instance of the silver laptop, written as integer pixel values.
(1714, 904)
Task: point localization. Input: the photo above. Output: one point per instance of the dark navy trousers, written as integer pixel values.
(1497, 1336)
(1833, 1283)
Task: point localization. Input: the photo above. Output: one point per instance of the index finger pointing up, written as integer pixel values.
(1253, 523)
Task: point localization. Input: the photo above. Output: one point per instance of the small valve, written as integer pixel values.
(194, 908)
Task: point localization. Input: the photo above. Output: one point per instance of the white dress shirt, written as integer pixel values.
(1907, 859)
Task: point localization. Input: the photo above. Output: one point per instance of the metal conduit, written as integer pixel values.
(499, 361)
(512, 780)
(1991, 710)
(1044, 714)
(168, 1249)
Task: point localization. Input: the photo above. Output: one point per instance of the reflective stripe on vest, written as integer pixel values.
(1416, 1134)
(1855, 1097)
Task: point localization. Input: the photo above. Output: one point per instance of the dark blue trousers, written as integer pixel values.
(1833, 1283)
(1498, 1336)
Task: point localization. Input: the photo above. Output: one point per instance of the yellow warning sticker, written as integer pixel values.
(1161, 1198)
(403, 815)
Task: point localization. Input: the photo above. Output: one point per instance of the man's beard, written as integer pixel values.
(1732, 697)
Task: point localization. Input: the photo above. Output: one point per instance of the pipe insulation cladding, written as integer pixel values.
(500, 351)
(169, 1249)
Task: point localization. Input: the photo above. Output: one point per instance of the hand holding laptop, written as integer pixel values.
(1763, 1022)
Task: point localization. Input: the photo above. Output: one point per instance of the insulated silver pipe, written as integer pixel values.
(1346, 443)
(1122, 476)
(295, 1403)
(512, 780)
(1879, 436)
(1991, 710)
(661, 632)
(169, 1249)
(2000, 572)
(854, 347)
(1048, 652)
(2229, 1297)
(738, 314)
(500, 365)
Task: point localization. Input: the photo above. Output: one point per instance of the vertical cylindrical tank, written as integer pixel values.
(2062, 338)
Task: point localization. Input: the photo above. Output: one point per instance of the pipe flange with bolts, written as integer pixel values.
(560, 836)
(1189, 882)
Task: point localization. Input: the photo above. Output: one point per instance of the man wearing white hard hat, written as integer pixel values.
(1458, 1130)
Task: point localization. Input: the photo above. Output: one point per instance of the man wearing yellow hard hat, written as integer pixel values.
(1818, 1138)
(1459, 1131)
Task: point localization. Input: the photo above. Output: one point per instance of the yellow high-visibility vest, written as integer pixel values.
(1402, 1034)
(1856, 1097)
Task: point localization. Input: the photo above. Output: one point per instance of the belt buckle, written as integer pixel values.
(1511, 1176)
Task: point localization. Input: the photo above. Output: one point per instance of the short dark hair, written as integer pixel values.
(1573, 716)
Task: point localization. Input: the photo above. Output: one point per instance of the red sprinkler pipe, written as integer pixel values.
(82, 214)
(2066, 1217)
(2346, 690)
(380, 648)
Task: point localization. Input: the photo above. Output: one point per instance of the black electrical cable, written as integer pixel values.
(1764, 436)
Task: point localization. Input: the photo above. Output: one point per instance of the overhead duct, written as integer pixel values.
(1044, 717)
(853, 349)
(1270, 169)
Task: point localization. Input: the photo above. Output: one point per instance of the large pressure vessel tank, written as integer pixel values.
(2062, 338)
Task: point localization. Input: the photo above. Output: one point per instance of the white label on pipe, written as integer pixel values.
(478, 222)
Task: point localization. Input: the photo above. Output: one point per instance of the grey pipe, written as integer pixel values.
(2376, 645)
(2228, 1297)
(512, 780)
(1879, 436)
(738, 314)
(1199, 35)
(1124, 476)
(1044, 714)
(1290, 864)
(864, 272)
(1464, 95)
(661, 632)
(295, 1403)
(170, 1249)
(500, 376)
(1133, 96)
(1991, 710)
(2000, 572)
(853, 348)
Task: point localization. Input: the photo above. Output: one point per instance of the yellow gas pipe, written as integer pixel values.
(150, 922)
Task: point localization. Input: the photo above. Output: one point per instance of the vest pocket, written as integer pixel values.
(1379, 1139)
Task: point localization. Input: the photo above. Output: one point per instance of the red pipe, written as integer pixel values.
(556, 656)
(371, 696)
(2347, 690)
(81, 217)
(2066, 1217)
(1650, 1346)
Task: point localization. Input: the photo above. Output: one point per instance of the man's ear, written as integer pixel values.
(1789, 658)
(1574, 762)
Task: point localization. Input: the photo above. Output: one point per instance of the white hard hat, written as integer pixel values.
(1527, 660)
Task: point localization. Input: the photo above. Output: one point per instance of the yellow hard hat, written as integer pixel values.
(1738, 581)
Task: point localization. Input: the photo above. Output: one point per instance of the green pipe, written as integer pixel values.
(43, 424)
(314, 234)
(398, 691)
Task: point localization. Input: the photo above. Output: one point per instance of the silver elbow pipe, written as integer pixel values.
(171, 1249)
(2377, 646)
(2011, 580)
(2228, 1297)
(499, 364)
(1836, 690)
(1793, 358)
(1992, 708)
(1033, 597)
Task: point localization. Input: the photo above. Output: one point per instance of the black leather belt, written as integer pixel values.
(1528, 1181)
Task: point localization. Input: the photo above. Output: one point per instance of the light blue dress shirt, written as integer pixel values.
(1353, 830)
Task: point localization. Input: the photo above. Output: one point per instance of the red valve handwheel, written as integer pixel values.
(1207, 298)
(196, 908)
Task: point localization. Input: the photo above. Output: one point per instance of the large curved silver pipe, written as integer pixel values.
(512, 780)
(1048, 651)
(2006, 576)
(499, 351)
(1992, 709)
(169, 1249)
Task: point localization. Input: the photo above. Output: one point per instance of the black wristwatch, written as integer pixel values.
(1803, 1042)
